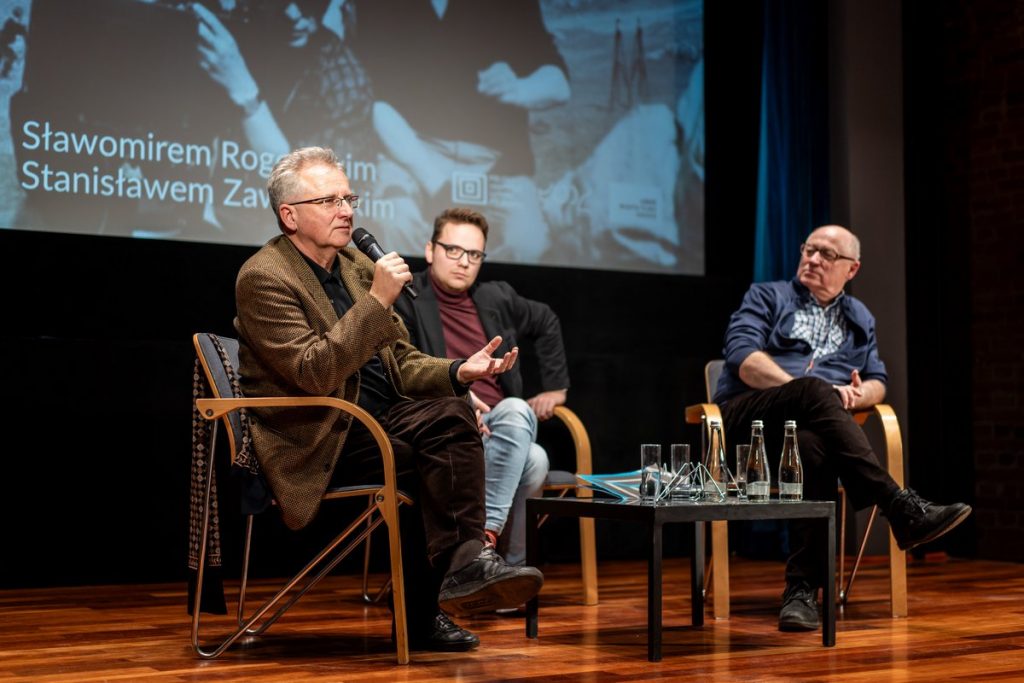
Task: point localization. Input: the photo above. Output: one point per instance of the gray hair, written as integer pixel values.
(284, 180)
(854, 246)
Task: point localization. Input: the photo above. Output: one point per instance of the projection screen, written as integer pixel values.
(575, 126)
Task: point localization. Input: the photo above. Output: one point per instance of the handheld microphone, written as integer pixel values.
(368, 244)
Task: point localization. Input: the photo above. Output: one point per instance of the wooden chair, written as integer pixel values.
(703, 413)
(560, 483)
(219, 359)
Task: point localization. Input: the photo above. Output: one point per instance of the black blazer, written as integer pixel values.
(502, 312)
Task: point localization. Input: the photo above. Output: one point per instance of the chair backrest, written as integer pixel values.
(712, 371)
(222, 377)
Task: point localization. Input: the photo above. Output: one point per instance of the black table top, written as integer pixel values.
(682, 511)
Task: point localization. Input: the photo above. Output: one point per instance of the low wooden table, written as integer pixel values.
(653, 517)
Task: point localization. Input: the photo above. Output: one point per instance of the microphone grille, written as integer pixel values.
(359, 234)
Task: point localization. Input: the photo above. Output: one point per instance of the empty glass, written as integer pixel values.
(678, 473)
(742, 451)
(650, 472)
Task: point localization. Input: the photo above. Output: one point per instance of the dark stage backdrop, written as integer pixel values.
(98, 360)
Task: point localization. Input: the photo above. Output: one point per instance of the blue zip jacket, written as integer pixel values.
(764, 322)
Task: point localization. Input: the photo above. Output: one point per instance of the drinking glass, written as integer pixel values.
(650, 472)
(742, 453)
(678, 474)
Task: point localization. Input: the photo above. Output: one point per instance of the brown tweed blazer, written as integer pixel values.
(291, 343)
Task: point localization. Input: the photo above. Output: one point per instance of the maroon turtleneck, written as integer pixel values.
(464, 335)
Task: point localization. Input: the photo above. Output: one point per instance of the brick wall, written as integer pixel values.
(985, 61)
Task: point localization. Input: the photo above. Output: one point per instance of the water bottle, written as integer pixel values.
(759, 480)
(791, 470)
(716, 485)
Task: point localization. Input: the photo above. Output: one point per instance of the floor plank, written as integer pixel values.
(966, 623)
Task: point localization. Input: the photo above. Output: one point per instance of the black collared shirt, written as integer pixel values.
(376, 393)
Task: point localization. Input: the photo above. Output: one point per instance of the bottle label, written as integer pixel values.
(757, 490)
(790, 491)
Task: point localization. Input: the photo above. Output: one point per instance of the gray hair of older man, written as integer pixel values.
(284, 181)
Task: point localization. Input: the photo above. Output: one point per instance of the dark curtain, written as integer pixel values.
(792, 173)
(793, 181)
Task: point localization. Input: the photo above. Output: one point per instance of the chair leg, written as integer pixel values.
(845, 593)
(388, 504)
(246, 553)
(709, 568)
(897, 579)
(720, 555)
(841, 593)
(894, 463)
(386, 586)
(588, 553)
(326, 559)
(897, 571)
(366, 569)
(588, 560)
(716, 583)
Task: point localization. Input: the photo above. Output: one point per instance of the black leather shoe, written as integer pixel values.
(799, 608)
(915, 520)
(442, 635)
(487, 584)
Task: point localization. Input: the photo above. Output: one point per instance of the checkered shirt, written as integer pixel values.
(823, 327)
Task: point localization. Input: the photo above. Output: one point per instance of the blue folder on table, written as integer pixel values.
(624, 485)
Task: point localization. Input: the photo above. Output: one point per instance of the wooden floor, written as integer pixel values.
(966, 623)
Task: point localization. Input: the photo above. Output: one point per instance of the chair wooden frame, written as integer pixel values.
(703, 413)
(588, 542)
(584, 465)
(384, 501)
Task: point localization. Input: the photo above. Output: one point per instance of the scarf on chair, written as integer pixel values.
(255, 494)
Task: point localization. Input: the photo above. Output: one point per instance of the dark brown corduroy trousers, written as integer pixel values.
(440, 462)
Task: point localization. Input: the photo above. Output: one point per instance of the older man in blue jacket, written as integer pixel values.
(804, 350)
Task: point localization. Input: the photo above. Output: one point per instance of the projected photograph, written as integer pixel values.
(575, 126)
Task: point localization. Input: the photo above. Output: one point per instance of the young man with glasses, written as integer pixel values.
(453, 313)
(804, 350)
(316, 318)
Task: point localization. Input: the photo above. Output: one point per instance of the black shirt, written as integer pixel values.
(376, 393)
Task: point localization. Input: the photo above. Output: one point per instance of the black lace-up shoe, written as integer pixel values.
(915, 520)
(487, 584)
(441, 635)
(799, 608)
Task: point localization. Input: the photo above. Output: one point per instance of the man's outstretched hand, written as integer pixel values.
(482, 363)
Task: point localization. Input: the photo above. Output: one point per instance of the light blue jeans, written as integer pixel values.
(516, 468)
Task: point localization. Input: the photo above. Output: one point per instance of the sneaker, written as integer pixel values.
(915, 521)
(487, 584)
(799, 608)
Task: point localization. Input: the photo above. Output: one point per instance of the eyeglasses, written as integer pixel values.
(830, 255)
(455, 252)
(331, 201)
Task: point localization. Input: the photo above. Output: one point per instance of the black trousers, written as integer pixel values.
(439, 460)
(832, 446)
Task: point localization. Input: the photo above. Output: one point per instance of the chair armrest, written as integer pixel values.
(891, 433)
(581, 442)
(695, 412)
(212, 408)
(580, 439)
